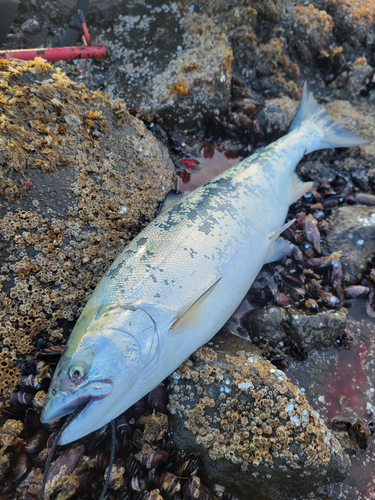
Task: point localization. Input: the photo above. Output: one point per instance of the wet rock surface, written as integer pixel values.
(315, 331)
(307, 330)
(352, 231)
(277, 115)
(353, 19)
(359, 77)
(270, 322)
(80, 177)
(256, 432)
(312, 28)
(197, 81)
(346, 394)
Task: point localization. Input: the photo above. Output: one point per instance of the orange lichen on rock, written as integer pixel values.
(271, 59)
(179, 87)
(312, 27)
(353, 19)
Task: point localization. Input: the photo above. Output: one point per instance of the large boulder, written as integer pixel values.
(352, 230)
(353, 19)
(255, 431)
(80, 177)
(312, 29)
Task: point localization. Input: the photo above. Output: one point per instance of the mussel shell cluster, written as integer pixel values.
(311, 278)
(146, 467)
(359, 430)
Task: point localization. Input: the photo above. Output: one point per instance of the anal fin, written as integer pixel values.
(274, 235)
(299, 188)
(279, 249)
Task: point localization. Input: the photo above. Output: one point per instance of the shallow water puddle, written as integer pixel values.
(341, 382)
(201, 170)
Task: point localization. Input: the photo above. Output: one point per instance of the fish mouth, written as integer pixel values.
(95, 414)
(60, 404)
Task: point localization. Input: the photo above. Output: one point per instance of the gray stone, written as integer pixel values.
(197, 80)
(316, 330)
(270, 322)
(312, 27)
(68, 205)
(277, 115)
(360, 120)
(308, 330)
(349, 445)
(255, 431)
(359, 73)
(353, 20)
(352, 230)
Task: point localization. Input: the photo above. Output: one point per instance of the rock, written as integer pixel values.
(275, 71)
(353, 19)
(233, 14)
(312, 28)
(352, 230)
(165, 60)
(197, 81)
(354, 118)
(316, 330)
(30, 26)
(277, 115)
(371, 177)
(270, 322)
(349, 445)
(255, 431)
(80, 178)
(100, 9)
(360, 72)
(238, 20)
(307, 330)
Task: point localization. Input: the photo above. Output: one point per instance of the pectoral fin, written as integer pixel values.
(191, 310)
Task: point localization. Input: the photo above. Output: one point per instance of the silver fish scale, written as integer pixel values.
(187, 249)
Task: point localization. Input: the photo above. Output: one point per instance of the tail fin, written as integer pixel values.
(335, 135)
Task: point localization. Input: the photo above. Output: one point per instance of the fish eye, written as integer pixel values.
(76, 372)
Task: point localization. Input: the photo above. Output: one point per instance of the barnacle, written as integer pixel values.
(273, 415)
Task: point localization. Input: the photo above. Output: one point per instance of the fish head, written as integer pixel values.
(109, 349)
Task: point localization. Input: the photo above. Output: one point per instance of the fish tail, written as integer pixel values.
(333, 134)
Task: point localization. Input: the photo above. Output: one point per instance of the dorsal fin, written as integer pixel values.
(172, 197)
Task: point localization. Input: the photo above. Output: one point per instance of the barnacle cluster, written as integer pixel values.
(246, 411)
(353, 18)
(272, 59)
(78, 179)
(313, 27)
